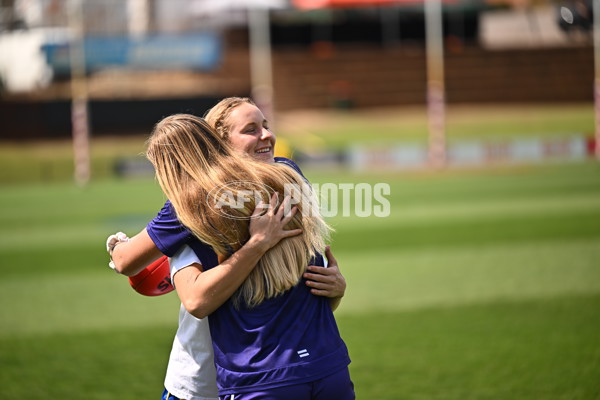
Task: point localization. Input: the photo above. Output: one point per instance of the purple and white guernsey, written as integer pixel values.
(290, 339)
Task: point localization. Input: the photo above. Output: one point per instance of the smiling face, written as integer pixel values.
(249, 132)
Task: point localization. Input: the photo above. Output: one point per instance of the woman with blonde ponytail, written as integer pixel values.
(273, 339)
(191, 372)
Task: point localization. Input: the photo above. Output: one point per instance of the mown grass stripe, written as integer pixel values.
(395, 280)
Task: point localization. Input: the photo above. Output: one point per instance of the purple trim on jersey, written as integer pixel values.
(167, 232)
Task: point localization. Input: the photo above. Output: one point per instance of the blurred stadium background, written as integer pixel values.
(483, 283)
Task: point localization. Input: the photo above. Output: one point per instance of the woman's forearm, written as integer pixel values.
(203, 292)
(131, 257)
(334, 302)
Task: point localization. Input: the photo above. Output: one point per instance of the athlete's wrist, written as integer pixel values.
(113, 240)
(258, 244)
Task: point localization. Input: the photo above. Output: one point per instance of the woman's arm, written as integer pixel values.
(163, 235)
(132, 256)
(327, 281)
(202, 292)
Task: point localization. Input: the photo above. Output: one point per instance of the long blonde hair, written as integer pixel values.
(191, 161)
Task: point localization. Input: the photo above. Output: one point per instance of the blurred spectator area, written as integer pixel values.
(359, 58)
(367, 77)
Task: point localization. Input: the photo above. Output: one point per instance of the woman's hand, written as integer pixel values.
(129, 256)
(267, 227)
(111, 242)
(202, 292)
(327, 281)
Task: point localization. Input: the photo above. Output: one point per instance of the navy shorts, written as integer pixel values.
(337, 386)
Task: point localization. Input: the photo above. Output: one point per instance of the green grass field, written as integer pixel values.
(481, 284)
